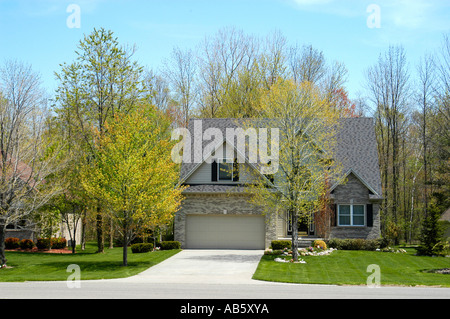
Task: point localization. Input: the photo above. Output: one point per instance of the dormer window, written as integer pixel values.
(225, 170)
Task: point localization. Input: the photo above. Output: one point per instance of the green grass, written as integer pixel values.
(350, 268)
(50, 267)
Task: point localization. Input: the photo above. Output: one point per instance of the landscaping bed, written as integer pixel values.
(48, 251)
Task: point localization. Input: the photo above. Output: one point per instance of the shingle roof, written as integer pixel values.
(356, 150)
(210, 188)
(222, 124)
(446, 215)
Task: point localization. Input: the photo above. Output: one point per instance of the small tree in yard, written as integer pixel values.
(431, 233)
(134, 174)
(307, 128)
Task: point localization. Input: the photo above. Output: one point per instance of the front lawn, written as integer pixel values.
(348, 267)
(49, 267)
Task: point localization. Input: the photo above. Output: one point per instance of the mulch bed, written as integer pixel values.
(49, 251)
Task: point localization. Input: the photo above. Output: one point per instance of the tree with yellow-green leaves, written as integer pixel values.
(134, 173)
(307, 127)
(103, 81)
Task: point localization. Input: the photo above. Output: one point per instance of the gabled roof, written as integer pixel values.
(18, 170)
(446, 215)
(356, 150)
(222, 124)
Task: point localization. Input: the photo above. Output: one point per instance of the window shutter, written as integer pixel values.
(369, 215)
(235, 171)
(333, 214)
(214, 171)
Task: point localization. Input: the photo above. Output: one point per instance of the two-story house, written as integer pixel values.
(216, 212)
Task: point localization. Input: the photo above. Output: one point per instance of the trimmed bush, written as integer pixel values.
(58, 243)
(12, 243)
(281, 244)
(26, 244)
(320, 243)
(354, 244)
(43, 243)
(141, 248)
(168, 245)
(372, 244)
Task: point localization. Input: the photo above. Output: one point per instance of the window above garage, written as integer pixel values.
(225, 169)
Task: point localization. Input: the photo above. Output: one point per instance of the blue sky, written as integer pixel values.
(36, 32)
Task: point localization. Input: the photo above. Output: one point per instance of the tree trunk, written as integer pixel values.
(73, 245)
(2, 245)
(125, 248)
(294, 246)
(111, 233)
(100, 243)
(83, 231)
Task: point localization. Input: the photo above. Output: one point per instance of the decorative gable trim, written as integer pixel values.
(351, 171)
(218, 145)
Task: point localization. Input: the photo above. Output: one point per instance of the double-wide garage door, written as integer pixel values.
(225, 232)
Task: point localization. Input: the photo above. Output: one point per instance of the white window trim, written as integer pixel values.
(351, 215)
(227, 161)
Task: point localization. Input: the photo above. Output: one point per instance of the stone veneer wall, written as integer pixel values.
(355, 192)
(21, 234)
(233, 204)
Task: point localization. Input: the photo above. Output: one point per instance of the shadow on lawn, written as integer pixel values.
(93, 266)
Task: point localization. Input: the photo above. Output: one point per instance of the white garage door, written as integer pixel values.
(225, 232)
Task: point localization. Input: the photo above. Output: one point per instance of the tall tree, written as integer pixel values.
(102, 82)
(307, 64)
(27, 158)
(307, 129)
(71, 203)
(440, 131)
(425, 99)
(388, 85)
(222, 57)
(181, 72)
(134, 172)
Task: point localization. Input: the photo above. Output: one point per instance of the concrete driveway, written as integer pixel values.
(199, 266)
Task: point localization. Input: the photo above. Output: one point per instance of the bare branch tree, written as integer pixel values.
(181, 72)
(388, 85)
(223, 56)
(25, 159)
(425, 97)
(160, 90)
(307, 64)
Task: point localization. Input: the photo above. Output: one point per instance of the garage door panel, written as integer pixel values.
(225, 231)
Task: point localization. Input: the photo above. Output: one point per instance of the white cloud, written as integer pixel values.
(416, 14)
